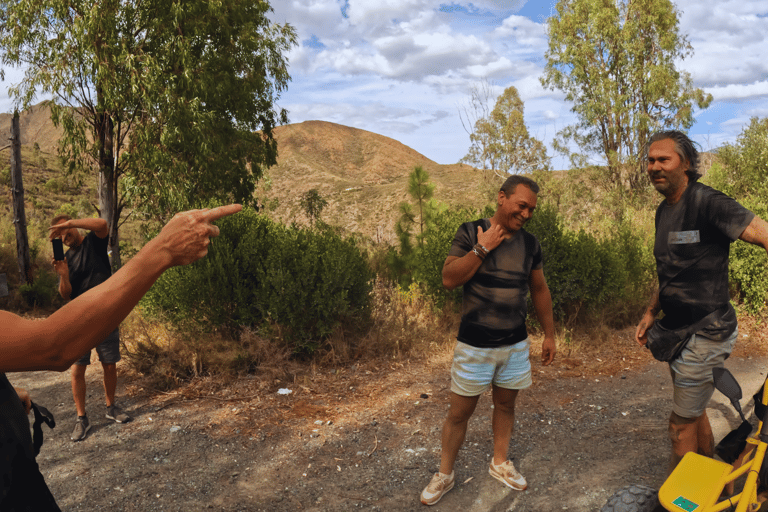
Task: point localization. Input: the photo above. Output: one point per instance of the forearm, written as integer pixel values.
(655, 306)
(62, 338)
(458, 270)
(95, 224)
(542, 304)
(756, 233)
(65, 288)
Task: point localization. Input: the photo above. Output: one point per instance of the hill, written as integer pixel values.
(362, 175)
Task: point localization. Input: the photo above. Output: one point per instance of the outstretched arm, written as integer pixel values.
(57, 341)
(756, 233)
(99, 227)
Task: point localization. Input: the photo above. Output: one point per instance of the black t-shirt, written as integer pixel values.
(22, 486)
(88, 264)
(693, 239)
(494, 304)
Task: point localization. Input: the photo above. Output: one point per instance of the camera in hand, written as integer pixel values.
(58, 249)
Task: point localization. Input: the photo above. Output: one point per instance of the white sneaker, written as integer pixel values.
(507, 474)
(439, 485)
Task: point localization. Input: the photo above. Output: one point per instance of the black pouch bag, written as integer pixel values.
(666, 344)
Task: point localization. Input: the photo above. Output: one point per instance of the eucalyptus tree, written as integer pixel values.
(616, 61)
(500, 141)
(172, 102)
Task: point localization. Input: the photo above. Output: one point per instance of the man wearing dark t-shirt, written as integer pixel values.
(86, 266)
(695, 226)
(497, 262)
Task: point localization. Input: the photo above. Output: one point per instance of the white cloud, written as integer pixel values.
(739, 91)
(729, 39)
(524, 32)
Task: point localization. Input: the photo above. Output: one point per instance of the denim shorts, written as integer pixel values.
(692, 373)
(108, 350)
(475, 369)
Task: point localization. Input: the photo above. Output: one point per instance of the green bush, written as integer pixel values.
(302, 283)
(748, 266)
(431, 256)
(41, 292)
(589, 276)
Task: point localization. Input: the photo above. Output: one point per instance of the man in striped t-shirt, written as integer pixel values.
(497, 262)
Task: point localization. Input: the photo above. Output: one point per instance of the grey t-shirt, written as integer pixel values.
(494, 304)
(693, 239)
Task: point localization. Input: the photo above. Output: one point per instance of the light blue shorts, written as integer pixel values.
(692, 373)
(475, 369)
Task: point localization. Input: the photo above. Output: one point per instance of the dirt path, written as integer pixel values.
(363, 438)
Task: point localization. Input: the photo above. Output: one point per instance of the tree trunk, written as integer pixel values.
(19, 216)
(108, 198)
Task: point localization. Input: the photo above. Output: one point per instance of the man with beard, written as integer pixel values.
(695, 226)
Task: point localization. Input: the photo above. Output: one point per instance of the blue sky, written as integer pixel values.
(402, 68)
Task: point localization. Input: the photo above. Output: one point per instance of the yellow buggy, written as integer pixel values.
(703, 484)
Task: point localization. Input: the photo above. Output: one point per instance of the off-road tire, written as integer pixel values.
(633, 498)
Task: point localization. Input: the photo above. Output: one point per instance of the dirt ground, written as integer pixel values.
(367, 436)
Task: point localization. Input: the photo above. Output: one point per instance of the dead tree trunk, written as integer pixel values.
(19, 216)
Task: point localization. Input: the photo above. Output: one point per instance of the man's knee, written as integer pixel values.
(504, 399)
(78, 370)
(461, 409)
(681, 429)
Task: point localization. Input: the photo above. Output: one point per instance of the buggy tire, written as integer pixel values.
(633, 498)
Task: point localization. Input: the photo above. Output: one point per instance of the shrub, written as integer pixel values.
(589, 276)
(298, 284)
(41, 292)
(431, 255)
(748, 264)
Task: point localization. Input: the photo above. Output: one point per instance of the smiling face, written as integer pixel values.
(516, 209)
(667, 170)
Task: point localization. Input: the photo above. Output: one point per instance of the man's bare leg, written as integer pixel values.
(503, 422)
(455, 429)
(683, 432)
(110, 382)
(706, 440)
(78, 387)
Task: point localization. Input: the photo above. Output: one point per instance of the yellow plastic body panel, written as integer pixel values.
(695, 484)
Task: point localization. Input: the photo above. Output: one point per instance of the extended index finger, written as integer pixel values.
(221, 211)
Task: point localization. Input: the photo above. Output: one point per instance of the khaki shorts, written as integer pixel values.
(475, 369)
(692, 373)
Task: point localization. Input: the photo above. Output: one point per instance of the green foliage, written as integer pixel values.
(419, 214)
(194, 82)
(428, 269)
(313, 204)
(500, 141)
(615, 60)
(300, 284)
(53, 186)
(742, 172)
(5, 176)
(590, 277)
(68, 209)
(42, 291)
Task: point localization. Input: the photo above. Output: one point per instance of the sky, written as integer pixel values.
(403, 68)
